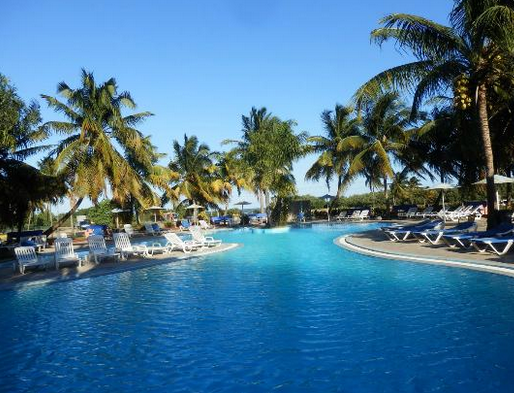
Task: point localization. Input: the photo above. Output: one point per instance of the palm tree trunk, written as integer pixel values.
(268, 209)
(338, 194)
(386, 195)
(60, 221)
(260, 196)
(492, 208)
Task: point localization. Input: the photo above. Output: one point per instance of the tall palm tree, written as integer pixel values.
(334, 154)
(269, 147)
(472, 56)
(383, 137)
(193, 164)
(93, 156)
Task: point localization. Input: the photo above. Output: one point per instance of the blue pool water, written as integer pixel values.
(287, 312)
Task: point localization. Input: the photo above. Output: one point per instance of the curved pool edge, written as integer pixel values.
(118, 268)
(344, 242)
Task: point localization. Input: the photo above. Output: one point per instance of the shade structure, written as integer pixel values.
(195, 208)
(242, 204)
(443, 187)
(498, 179)
(117, 211)
(155, 209)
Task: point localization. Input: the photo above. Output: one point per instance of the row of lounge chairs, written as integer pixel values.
(457, 214)
(358, 215)
(464, 235)
(153, 229)
(123, 248)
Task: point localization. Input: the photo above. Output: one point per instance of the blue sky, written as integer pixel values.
(199, 65)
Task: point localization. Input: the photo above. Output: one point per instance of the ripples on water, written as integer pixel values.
(289, 312)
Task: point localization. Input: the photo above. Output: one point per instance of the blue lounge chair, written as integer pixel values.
(405, 233)
(434, 236)
(482, 244)
(403, 226)
(465, 240)
(184, 225)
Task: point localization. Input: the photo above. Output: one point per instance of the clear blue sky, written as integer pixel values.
(199, 65)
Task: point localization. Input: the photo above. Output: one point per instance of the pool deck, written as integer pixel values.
(375, 243)
(14, 280)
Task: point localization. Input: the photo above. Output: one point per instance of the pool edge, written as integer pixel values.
(342, 241)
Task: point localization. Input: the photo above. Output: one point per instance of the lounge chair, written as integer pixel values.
(354, 216)
(204, 225)
(98, 250)
(404, 226)
(434, 236)
(184, 225)
(175, 241)
(125, 248)
(364, 215)
(64, 253)
(341, 216)
(494, 243)
(405, 233)
(425, 213)
(26, 257)
(206, 241)
(129, 230)
(152, 229)
(465, 240)
(409, 213)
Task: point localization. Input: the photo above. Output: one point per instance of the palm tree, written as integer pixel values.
(472, 57)
(230, 172)
(269, 148)
(94, 155)
(334, 153)
(193, 164)
(383, 138)
(22, 187)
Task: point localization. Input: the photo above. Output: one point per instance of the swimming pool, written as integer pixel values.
(289, 311)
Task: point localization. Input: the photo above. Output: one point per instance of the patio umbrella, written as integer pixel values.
(328, 198)
(155, 209)
(498, 179)
(443, 187)
(195, 208)
(243, 204)
(116, 212)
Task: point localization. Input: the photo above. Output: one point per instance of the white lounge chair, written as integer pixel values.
(425, 213)
(27, 257)
(364, 215)
(175, 241)
(199, 237)
(98, 250)
(341, 216)
(204, 225)
(354, 216)
(125, 248)
(128, 229)
(64, 253)
(409, 213)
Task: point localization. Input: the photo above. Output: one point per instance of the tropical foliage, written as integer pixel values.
(334, 148)
(22, 187)
(102, 151)
(471, 58)
(269, 147)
